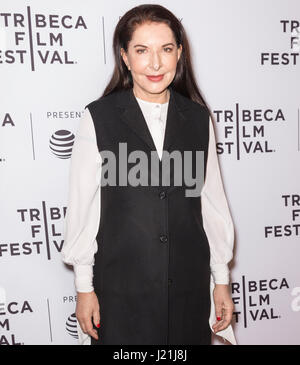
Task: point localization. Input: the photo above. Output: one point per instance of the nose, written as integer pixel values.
(155, 61)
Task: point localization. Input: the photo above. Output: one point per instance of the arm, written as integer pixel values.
(217, 221)
(82, 221)
(218, 226)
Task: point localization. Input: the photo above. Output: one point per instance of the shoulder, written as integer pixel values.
(103, 103)
(193, 111)
(104, 111)
(196, 115)
(191, 106)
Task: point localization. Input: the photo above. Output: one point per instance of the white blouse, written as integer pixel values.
(82, 218)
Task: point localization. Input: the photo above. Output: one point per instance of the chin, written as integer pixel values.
(158, 88)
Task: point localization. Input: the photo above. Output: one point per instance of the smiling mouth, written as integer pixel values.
(154, 77)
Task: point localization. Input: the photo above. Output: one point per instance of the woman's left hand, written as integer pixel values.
(224, 307)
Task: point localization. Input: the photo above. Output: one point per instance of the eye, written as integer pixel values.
(168, 48)
(138, 51)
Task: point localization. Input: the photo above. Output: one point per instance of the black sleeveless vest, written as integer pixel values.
(151, 271)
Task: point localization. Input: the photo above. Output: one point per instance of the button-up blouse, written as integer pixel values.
(82, 218)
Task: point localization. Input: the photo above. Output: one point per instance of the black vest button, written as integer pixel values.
(163, 238)
(162, 194)
(169, 281)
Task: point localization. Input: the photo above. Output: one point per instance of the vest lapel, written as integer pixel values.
(132, 115)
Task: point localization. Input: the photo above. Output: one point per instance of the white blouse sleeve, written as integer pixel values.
(217, 220)
(82, 219)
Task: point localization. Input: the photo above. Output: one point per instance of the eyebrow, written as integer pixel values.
(164, 45)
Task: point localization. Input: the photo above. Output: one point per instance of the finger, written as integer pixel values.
(218, 321)
(218, 313)
(227, 313)
(81, 324)
(221, 325)
(96, 318)
(225, 321)
(87, 326)
(93, 333)
(219, 310)
(90, 330)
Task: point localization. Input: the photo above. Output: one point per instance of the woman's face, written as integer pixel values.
(152, 51)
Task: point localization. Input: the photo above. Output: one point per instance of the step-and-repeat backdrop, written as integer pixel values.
(56, 57)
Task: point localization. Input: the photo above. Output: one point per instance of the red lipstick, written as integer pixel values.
(155, 78)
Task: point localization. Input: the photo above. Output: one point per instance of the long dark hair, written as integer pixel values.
(184, 81)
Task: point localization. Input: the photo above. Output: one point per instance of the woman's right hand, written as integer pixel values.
(88, 310)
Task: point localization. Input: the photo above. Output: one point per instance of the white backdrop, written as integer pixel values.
(56, 57)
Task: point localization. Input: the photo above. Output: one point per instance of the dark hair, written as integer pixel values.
(184, 81)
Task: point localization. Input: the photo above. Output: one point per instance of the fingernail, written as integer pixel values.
(218, 318)
(98, 325)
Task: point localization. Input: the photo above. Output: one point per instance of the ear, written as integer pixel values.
(179, 50)
(124, 56)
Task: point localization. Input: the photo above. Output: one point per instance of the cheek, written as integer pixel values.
(170, 63)
(139, 64)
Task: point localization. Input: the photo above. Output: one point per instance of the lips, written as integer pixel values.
(155, 78)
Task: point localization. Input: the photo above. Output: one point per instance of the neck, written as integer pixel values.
(160, 99)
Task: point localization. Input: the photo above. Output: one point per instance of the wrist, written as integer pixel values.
(81, 293)
(222, 285)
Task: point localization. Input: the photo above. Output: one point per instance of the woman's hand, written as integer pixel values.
(87, 308)
(224, 307)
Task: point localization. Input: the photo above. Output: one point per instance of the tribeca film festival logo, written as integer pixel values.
(8, 310)
(244, 130)
(291, 57)
(255, 298)
(42, 224)
(291, 202)
(37, 38)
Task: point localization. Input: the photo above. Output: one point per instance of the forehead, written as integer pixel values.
(152, 33)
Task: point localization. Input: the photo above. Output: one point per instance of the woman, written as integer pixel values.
(150, 261)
